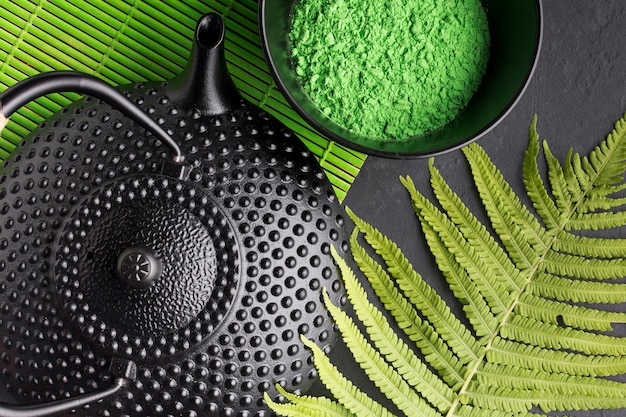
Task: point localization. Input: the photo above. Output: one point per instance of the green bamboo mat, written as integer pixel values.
(124, 41)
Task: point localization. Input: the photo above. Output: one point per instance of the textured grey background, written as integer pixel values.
(578, 92)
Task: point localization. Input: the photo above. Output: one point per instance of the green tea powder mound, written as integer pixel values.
(389, 69)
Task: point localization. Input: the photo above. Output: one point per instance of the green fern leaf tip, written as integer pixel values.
(540, 298)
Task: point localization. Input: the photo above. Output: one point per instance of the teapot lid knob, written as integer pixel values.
(138, 266)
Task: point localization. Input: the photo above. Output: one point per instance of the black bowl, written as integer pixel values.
(516, 32)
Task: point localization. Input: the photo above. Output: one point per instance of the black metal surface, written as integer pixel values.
(243, 245)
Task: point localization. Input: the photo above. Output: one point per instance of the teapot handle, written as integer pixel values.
(123, 370)
(39, 85)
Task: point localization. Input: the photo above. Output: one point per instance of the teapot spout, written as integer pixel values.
(205, 84)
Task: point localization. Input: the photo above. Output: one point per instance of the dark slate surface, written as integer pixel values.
(578, 92)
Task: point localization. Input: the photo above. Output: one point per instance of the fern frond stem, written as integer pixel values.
(342, 389)
(398, 353)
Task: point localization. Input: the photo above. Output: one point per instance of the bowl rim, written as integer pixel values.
(390, 154)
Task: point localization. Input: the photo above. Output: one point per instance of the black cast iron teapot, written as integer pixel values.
(162, 248)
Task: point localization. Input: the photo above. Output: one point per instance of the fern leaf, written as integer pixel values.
(421, 294)
(560, 384)
(470, 411)
(518, 401)
(581, 267)
(352, 398)
(596, 221)
(499, 398)
(577, 291)
(474, 231)
(562, 184)
(597, 200)
(606, 162)
(506, 352)
(483, 321)
(306, 406)
(572, 198)
(589, 247)
(475, 304)
(519, 231)
(438, 353)
(568, 171)
(297, 409)
(552, 336)
(385, 377)
(549, 210)
(395, 351)
(578, 316)
(583, 180)
(598, 177)
(481, 273)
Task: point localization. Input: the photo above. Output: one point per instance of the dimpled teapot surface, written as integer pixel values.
(172, 278)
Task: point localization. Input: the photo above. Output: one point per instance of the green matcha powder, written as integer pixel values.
(390, 69)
